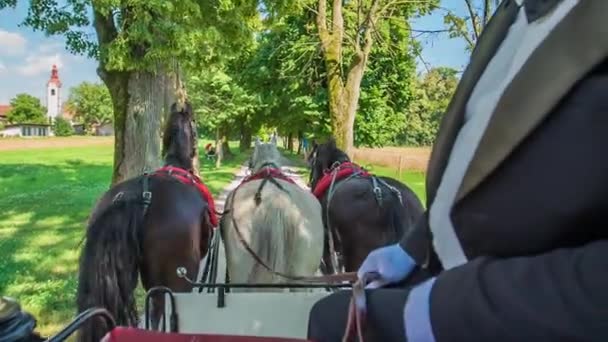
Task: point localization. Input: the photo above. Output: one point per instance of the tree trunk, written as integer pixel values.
(225, 147)
(245, 141)
(300, 136)
(222, 147)
(290, 142)
(219, 151)
(344, 94)
(138, 112)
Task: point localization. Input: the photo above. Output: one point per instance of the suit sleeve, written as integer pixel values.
(558, 296)
(417, 242)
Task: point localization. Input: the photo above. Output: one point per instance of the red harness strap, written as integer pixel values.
(191, 179)
(120, 334)
(268, 172)
(343, 170)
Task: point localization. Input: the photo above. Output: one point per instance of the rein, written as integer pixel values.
(331, 278)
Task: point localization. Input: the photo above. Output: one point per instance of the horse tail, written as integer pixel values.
(109, 267)
(270, 241)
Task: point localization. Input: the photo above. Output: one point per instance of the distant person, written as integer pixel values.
(305, 147)
(210, 151)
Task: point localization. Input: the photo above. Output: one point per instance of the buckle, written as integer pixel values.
(118, 197)
(147, 196)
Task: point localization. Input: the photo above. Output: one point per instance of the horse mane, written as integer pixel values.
(265, 153)
(179, 138)
(335, 154)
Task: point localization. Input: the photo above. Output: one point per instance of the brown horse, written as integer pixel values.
(148, 225)
(360, 212)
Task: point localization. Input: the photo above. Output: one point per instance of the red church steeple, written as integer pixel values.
(54, 76)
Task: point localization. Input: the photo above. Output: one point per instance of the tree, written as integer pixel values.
(91, 104)
(62, 127)
(469, 27)
(221, 104)
(139, 46)
(347, 39)
(287, 74)
(26, 108)
(433, 93)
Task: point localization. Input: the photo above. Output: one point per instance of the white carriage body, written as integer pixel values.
(282, 314)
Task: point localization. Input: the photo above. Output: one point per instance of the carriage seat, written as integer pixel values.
(122, 334)
(16, 325)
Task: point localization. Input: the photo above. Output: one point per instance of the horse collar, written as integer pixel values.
(269, 165)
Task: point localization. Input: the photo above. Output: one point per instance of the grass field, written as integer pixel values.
(413, 178)
(404, 158)
(47, 189)
(46, 194)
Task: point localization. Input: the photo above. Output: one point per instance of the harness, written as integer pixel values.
(350, 171)
(182, 176)
(271, 172)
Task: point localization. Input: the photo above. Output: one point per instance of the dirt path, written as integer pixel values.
(9, 144)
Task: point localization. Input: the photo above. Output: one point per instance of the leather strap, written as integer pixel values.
(329, 278)
(357, 310)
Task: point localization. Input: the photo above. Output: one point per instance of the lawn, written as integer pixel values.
(414, 179)
(45, 198)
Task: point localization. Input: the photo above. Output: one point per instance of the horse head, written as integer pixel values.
(264, 154)
(180, 137)
(323, 157)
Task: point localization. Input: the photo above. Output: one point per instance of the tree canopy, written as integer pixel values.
(26, 108)
(91, 104)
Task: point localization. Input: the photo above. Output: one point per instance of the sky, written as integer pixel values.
(26, 57)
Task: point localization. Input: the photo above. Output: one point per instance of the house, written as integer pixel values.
(26, 130)
(104, 129)
(79, 129)
(3, 111)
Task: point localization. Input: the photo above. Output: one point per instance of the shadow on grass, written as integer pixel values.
(42, 222)
(44, 212)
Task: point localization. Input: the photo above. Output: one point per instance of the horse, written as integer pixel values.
(361, 212)
(272, 229)
(146, 226)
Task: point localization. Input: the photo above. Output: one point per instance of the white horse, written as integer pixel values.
(284, 227)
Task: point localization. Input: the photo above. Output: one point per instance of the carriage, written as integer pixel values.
(216, 311)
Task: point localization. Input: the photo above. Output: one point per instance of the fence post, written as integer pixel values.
(400, 166)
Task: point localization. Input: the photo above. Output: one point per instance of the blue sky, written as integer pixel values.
(26, 57)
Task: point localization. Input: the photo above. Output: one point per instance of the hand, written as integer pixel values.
(392, 263)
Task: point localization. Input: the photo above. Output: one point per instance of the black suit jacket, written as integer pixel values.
(532, 211)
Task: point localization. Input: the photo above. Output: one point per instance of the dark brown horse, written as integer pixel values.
(360, 212)
(148, 225)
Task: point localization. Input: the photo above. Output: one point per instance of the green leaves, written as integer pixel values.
(91, 104)
(131, 35)
(62, 128)
(432, 93)
(26, 108)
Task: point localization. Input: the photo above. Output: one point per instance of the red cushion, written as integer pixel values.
(121, 334)
(344, 170)
(190, 178)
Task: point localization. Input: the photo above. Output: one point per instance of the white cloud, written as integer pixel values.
(2, 67)
(50, 47)
(36, 64)
(11, 43)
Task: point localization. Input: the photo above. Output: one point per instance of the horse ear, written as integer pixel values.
(257, 141)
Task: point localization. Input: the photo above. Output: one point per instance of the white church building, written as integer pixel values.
(53, 110)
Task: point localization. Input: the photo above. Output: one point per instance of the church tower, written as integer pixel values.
(53, 95)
